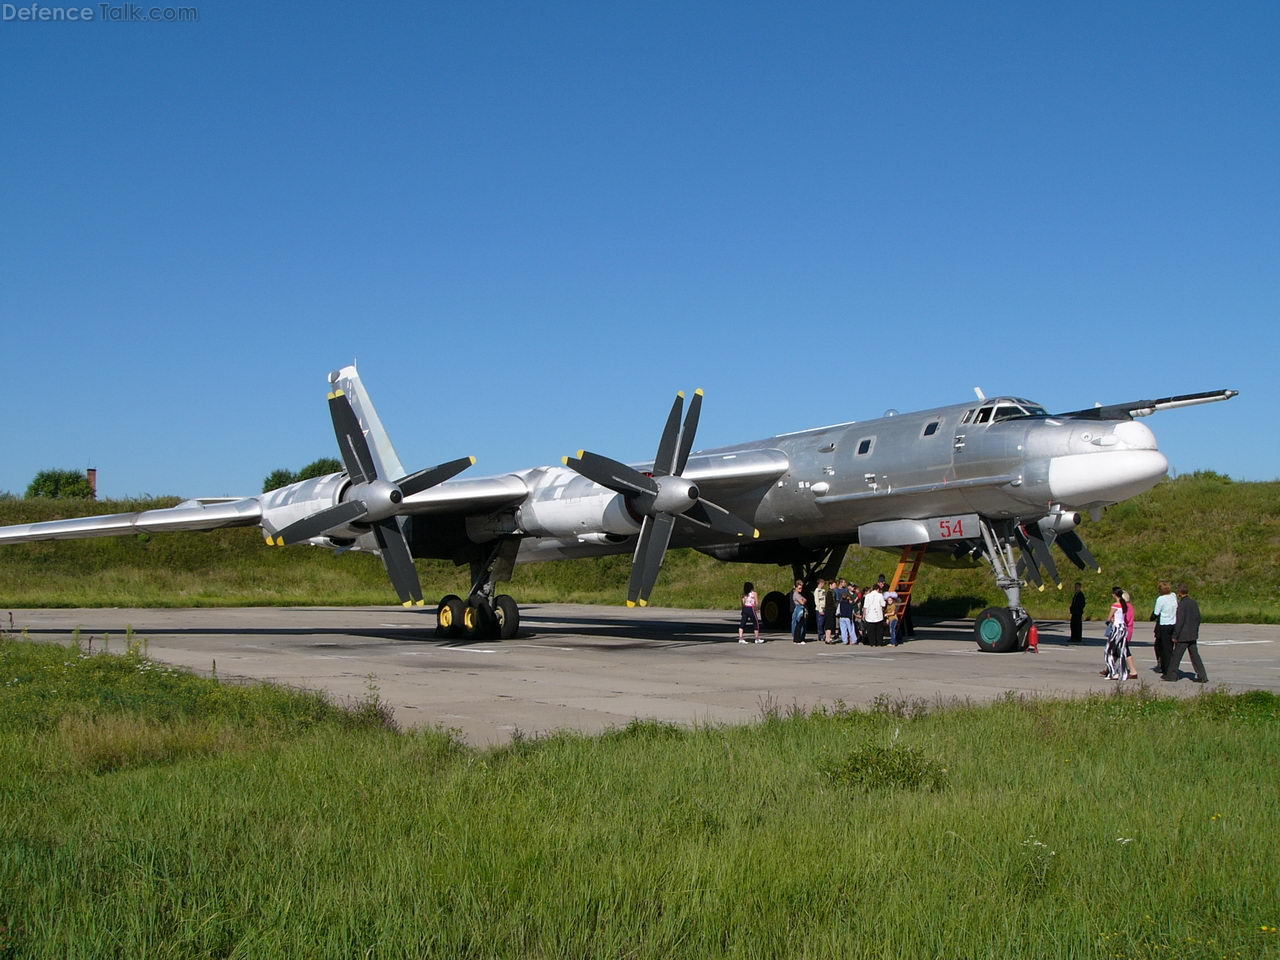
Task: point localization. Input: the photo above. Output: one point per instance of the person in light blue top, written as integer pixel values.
(1165, 615)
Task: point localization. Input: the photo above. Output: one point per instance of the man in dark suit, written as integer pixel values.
(1186, 631)
(1077, 615)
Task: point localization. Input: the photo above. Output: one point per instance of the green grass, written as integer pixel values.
(1223, 537)
(148, 812)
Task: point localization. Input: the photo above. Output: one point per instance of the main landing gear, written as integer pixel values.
(483, 616)
(1002, 629)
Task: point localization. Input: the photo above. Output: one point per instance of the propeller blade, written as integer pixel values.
(650, 549)
(707, 514)
(1027, 567)
(1076, 551)
(665, 460)
(1043, 556)
(687, 432)
(424, 479)
(610, 473)
(351, 442)
(322, 522)
(398, 561)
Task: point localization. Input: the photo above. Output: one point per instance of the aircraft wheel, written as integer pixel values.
(478, 621)
(996, 631)
(507, 613)
(773, 611)
(449, 616)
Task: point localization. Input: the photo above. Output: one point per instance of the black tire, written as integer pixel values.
(478, 622)
(996, 631)
(774, 614)
(449, 616)
(507, 612)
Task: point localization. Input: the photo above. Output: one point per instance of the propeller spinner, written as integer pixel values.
(372, 501)
(662, 497)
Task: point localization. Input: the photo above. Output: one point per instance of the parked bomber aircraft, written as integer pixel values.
(996, 481)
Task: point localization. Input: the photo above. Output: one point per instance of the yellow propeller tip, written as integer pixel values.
(644, 603)
(755, 534)
(473, 460)
(581, 454)
(1040, 588)
(419, 603)
(680, 394)
(279, 541)
(699, 392)
(336, 394)
(631, 603)
(407, 603)
(565, 461)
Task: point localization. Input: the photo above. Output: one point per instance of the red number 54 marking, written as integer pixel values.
(951, 528)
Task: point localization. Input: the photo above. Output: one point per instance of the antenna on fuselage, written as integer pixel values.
(981, 395)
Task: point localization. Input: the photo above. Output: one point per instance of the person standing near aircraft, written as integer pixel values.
(1117, 638)
(873, 615)
(799, 613)
(821, 596)
(1165, 615)
(750, 616)
(1077, 614)
(891, 616)
(844, 613)
(1186, 631)
(1128, 633)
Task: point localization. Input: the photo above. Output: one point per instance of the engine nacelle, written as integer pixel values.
(297, 501)
(598, 512)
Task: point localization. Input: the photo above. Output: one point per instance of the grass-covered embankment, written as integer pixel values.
(1221, 536)
(148, 812)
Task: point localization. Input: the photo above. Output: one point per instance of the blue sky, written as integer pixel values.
(532, 223)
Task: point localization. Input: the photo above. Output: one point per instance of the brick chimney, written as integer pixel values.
(93, 482)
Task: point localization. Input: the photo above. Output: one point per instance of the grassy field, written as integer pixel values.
(148, 812)
(1221, 536)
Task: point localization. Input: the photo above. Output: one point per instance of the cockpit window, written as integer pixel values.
(968, 416)
(983, 415)
(1007, 411)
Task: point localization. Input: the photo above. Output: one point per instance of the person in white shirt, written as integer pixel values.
(1165, 615)
(873, 615)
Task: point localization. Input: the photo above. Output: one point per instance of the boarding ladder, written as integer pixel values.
(904, 577)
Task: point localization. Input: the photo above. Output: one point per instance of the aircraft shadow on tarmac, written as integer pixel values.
(642, 633)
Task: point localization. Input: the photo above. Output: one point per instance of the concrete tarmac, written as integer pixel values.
(591, 668)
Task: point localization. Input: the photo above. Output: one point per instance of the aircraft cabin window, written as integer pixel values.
(1007, 412)
(967, 417)
(931, 428)
(864, 446)
(983, 415)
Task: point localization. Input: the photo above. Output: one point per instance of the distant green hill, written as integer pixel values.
(1223, 537)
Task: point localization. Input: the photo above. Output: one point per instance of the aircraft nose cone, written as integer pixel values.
(1107, 476)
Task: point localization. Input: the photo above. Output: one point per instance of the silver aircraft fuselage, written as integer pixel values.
(821, 485)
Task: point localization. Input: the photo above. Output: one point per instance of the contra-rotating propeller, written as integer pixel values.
(661, 497)
(373, 501)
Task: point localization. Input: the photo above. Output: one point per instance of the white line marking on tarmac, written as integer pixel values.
(1232, 643)
(542, 646)
(470, 650)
